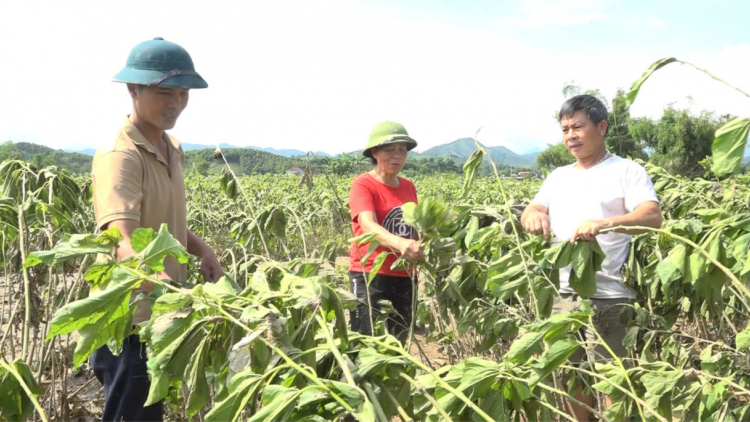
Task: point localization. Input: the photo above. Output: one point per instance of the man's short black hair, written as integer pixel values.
(595, 110)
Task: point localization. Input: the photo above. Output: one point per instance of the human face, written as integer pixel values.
(582, 137)
(158, 106)
(391, 157)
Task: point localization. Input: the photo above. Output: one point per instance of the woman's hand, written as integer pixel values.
(411, 250)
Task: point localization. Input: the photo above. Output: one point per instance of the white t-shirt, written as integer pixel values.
(611, 188)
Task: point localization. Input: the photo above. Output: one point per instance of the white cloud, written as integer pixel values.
(544, 13)
(650, 22)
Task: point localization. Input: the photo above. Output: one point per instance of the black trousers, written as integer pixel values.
(126, 383)
(397, 290)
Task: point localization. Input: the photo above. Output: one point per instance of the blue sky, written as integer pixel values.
(319, 75)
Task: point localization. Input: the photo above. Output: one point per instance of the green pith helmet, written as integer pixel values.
(160, 63)
(388, 133)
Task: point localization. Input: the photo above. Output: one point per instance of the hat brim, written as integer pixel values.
(147, 77)
(401, 139)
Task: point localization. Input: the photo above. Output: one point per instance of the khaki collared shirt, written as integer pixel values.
(132, 181)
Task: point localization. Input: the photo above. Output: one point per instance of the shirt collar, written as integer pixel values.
(135, 135)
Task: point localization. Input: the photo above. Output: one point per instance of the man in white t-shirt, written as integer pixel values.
(576, 202)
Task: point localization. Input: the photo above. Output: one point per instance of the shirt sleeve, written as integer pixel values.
(117, 181)
(360, 199)
(543, 196)
(638, 187)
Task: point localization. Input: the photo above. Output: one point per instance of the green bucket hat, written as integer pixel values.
(160, 63)
(388, 133)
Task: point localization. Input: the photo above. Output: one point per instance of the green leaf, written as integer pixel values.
(15, 405)
(728, 147)
(109, 330)
(553, 357)
(581, 257)
(376, 264)
(75, 246)
(522, 349)
(671, 268)
(471, 232)
(170, 364)
(278, 404)
(364, 238)
(197, 385)
(662, 382)
(743, 339)
(141, 237)
(636, 87)
(470, 171)
(242, 390)
(162, 246)
(99, 304)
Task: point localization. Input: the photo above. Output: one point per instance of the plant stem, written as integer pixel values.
(375, 403)
(336, 353)
(26, 282)
(429, 398)
(404, 416)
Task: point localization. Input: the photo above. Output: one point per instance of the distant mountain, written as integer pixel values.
(289, 152)
(460, 150)
(88, 151)
(280, 152)
(43, 156)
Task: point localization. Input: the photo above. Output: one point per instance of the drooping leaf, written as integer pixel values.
(636, 87)
(163, 245)
(728, 148)
(470, 171)
(75, 246)
(99, 304)
(242, 390)
(523, 348)
(171, 363)
(278, 403)
(553, 357)
(197, 385)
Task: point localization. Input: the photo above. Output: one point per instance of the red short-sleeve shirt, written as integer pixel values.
(369, 194)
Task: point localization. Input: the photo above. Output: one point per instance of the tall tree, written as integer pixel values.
(679, 140)
(554, 156)
(619, 140)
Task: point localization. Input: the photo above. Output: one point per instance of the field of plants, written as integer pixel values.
(270, 341)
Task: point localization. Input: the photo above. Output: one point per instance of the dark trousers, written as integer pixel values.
(126, 383)
(397, 290)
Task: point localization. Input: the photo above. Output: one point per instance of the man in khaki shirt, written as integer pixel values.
(138, 182)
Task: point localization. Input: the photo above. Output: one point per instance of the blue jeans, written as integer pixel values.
(126, 383)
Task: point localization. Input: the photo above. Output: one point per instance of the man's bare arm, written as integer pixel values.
(210, 265)
(647, 214)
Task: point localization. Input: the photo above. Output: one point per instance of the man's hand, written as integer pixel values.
(589, 229)
(411, 250)
(210, 267)
(537, 222)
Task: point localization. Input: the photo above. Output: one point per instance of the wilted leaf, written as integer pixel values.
(636, 87)
(728, 148)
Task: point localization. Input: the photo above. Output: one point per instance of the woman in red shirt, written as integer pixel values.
(375, 201)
